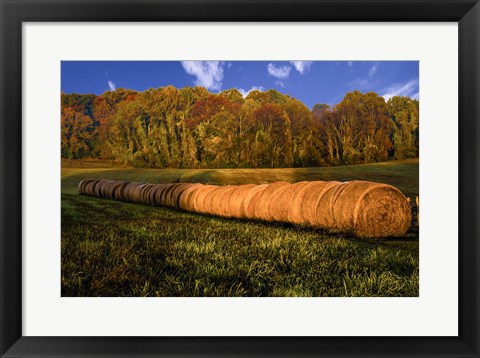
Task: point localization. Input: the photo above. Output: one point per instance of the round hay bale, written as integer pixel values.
(90, 187)
(166, 198)
(150, 194)
(83, 184)
(224, 202)
(144, 193)
(178, 192)
(251, 201)
(199, 197)
(281, 201)
(158, 194)
(111, 187)
(136, 194)
(370, 209)
(312, 199)
(235, 202)
(211, 203)
(295, 210)
(186, 199)
(128, 191)
(266, 198)
(324, 206)
(118, 191)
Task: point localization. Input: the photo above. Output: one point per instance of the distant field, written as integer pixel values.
(111, 248)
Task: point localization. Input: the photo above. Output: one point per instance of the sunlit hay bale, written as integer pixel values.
(199, 197)
(186, 198)
(83, 184)
(214, 199)
(370, 209)
(251, 201)
(295, 211)
(311, 201)
(178, 192)
(211, 203)
(324, 210)
(281, 200)
(236, 199)
(265, 199)
(224, 203)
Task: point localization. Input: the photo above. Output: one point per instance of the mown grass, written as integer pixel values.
(112, 248)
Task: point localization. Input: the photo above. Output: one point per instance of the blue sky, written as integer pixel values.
(309, 81)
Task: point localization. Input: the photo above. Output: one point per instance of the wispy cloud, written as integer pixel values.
(373, 69)
(209, 74)
(254, 88)
(280, 83)
(359, 84)
(111, 85)
(279, 71)
(406, 89)
(349, 63)
(302, 66)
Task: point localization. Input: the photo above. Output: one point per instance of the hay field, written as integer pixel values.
(112, 248)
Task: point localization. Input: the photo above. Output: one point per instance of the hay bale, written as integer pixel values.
(128, 191)
(90, 187)
(312, 200)
(235, 202)
(199, 197)
(118, 191)
(136, 194)
(158, 194)
(83, 184)
(186, 199)
(281, 201)
(251, 201)
(212, 200)
(266, 198)
(369, 209)
(224, 203)
(166, 198)
(295, 210)
(150, 193)
(177, 193)
(324, 210)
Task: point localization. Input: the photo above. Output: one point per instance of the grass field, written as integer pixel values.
(112, 248)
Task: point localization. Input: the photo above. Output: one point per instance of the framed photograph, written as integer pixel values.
(239, 178)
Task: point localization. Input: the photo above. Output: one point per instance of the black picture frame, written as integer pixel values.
(14, 12)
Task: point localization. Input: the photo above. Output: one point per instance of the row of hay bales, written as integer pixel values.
(365, 209)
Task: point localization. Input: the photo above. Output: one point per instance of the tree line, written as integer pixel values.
(193, 128)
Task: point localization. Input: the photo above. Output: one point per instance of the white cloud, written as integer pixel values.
(254, 88)
(350, 63)
(407, 89)
(359, 84)
(209, 74)
(279, 72)
(373, 69)
(280, 83)
(302, 66)
(112, 86)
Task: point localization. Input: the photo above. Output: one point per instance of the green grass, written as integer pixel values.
(112, 248)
